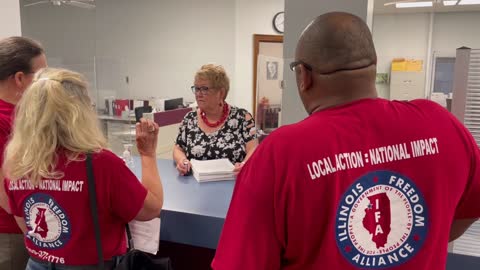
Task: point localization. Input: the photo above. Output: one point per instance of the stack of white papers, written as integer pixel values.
(212, 170)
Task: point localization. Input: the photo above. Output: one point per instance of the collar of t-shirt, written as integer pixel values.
(337, 108)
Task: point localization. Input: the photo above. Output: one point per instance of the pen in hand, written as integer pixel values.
(186, 165)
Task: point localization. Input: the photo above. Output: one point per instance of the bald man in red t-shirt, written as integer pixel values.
(362, 182)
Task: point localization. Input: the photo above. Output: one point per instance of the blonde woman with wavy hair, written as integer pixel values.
(55, 126)
(54, 114)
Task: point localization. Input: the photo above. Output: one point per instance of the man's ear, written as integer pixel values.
(306, 79)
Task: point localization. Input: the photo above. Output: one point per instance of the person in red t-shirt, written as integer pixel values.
(363, 182)
(20, 58)
(47, 186)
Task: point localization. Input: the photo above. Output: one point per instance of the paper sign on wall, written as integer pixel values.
(400, 64)
(414, 65)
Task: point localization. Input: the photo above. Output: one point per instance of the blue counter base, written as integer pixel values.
(190, 229)
(185, 257)
(456, 261)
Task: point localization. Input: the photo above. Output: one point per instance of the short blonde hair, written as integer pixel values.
(217, 76)
(55, 114)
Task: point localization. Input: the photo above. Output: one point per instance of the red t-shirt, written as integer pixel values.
(370, 184)
(58, 217)
(7, 221)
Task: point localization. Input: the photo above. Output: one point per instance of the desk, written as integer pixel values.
(118, 131)
(104, 119)
(121, 131)
(193, 213)
(112, 118)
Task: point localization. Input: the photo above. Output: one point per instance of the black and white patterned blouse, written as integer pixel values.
(227, 142)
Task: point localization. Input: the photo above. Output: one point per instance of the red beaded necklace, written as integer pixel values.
(220, 121)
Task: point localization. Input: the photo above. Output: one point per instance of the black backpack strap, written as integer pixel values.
(92, 194)
(129, 237)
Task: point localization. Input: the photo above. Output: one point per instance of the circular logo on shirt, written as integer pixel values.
(47, 223)
(381, 220)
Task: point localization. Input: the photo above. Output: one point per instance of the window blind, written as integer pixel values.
(469, 243)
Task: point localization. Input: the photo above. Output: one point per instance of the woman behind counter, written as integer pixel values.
(215, 129)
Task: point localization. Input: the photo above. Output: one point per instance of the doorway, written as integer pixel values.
(267, 81)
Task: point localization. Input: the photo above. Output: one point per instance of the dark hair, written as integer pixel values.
(16, 54)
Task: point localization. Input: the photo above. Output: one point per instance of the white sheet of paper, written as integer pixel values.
(146, 235)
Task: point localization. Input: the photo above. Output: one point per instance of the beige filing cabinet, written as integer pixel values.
(407, 85)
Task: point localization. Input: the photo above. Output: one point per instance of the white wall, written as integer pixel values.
(163, 43)
(67, 33)
(252, 17)
(453, 30)
(158, 44)
(10, 19)
(406, 35)
(397, 36)
(400, 35)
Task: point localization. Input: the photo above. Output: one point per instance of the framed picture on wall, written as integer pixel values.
(272, 70)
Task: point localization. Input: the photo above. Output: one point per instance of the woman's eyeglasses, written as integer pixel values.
(200, 89)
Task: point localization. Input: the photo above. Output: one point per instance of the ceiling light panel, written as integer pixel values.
(414, 4)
